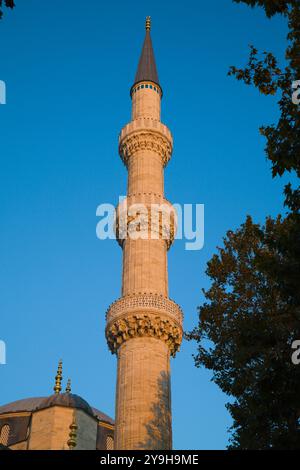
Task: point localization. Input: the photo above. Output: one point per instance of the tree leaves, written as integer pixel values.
(8, 4)
(271, 7)
(283, 139)
(250, 318)
(252, 311)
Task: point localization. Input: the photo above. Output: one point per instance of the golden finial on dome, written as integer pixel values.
(68, 387)
(72, 442)
(148, 23)
(58, 378)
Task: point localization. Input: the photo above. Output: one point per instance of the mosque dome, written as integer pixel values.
(69, 400)
(30, 423)
(63, 399)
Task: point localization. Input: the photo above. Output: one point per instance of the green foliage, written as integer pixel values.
(251, 315)
(283, 138)
(7, 3)
(271, 7)
(246, 328)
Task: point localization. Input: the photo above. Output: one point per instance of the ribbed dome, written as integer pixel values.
(66, 399)
(25, 404)
(62, 399)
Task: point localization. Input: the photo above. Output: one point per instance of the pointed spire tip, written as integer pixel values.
(147, 68)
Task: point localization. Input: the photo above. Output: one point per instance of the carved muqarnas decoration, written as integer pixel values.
(144, 325)
(153, 141)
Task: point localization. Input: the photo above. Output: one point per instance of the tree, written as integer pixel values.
(252, 310)
(245, 333)
(271, 7)
(8, 4)
(283, 139)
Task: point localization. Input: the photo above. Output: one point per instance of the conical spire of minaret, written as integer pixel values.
(147, 66)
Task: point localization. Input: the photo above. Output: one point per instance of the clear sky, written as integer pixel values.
(68, 68)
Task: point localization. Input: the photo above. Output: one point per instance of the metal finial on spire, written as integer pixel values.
(58, 378)
(68, 387)
(72, 442)
(148, 23)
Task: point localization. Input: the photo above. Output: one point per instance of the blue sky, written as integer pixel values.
(68, 71)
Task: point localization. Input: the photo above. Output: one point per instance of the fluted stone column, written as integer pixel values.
(144, 327)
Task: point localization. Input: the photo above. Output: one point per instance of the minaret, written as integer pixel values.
(144, 327)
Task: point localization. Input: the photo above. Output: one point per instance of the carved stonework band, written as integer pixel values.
(145, 140)
(144, 302)
(146, 216)
(143, 325)
(144, 314)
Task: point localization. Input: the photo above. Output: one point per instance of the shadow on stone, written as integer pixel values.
(159, 431)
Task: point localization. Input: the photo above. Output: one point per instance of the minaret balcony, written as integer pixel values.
(146, 216)
(144, 315)
(145, 134)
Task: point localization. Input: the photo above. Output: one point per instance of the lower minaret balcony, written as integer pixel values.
(144, 315)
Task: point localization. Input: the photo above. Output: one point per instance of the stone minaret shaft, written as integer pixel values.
(144, 327)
